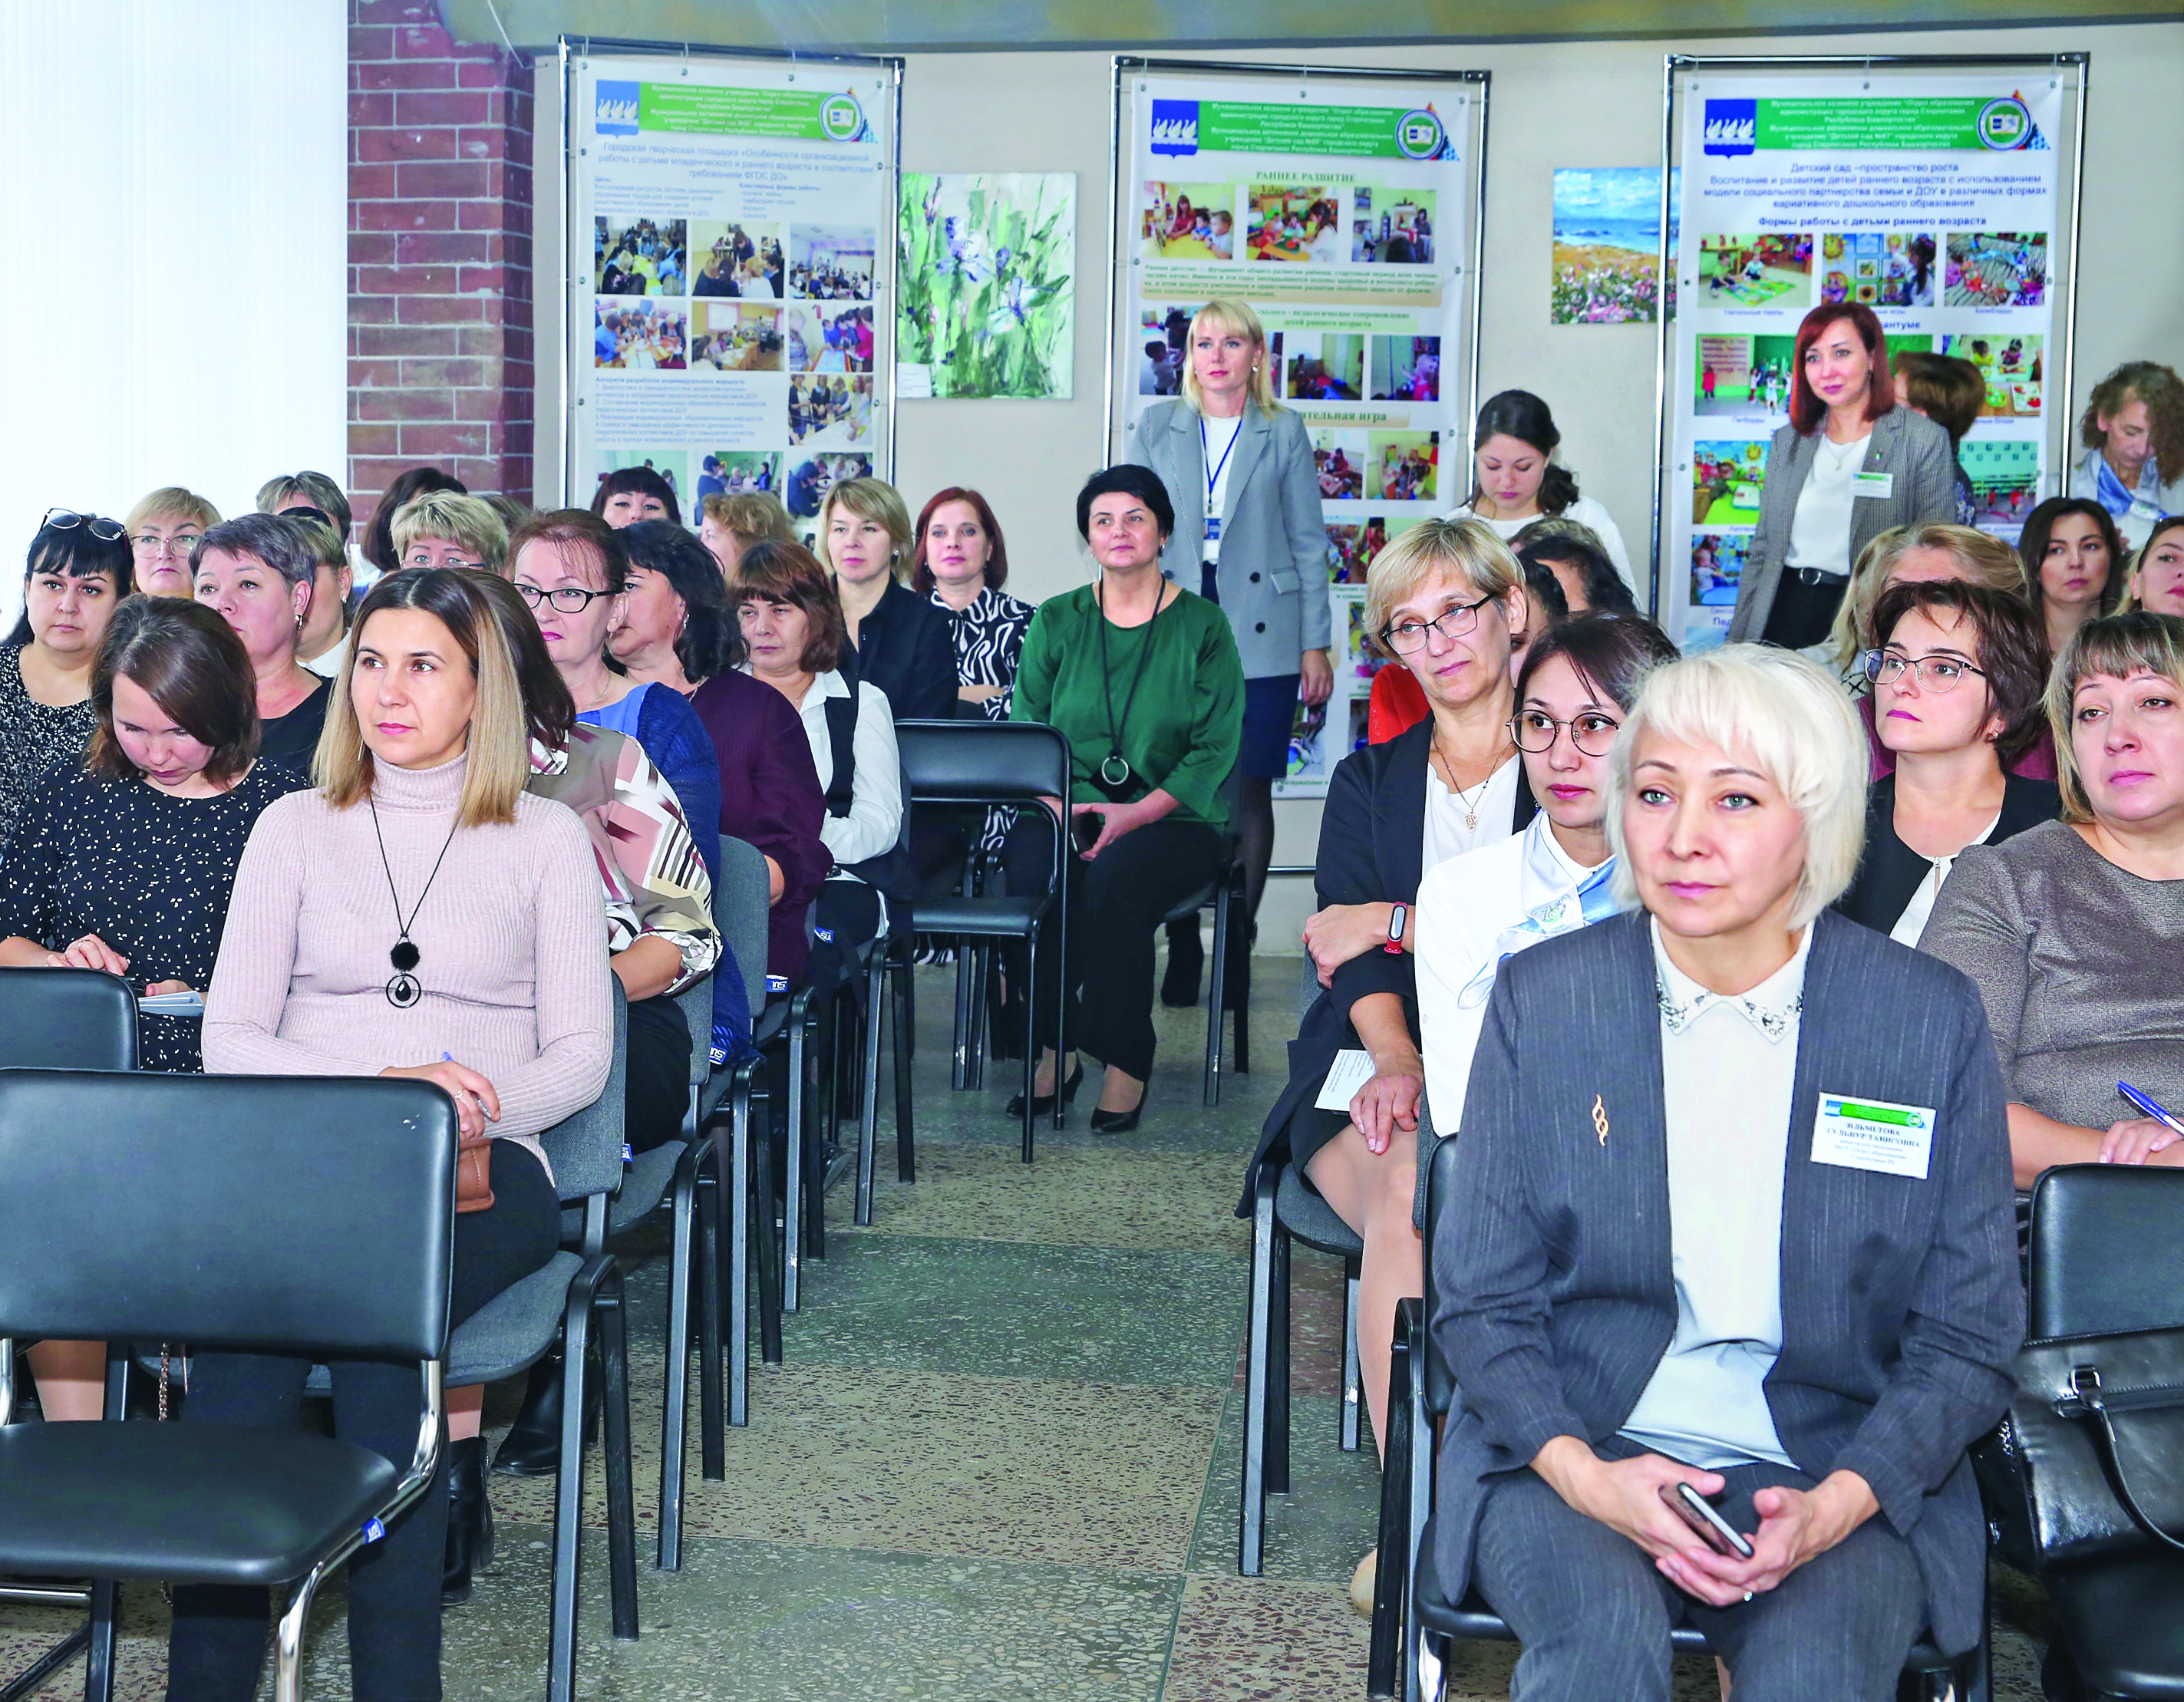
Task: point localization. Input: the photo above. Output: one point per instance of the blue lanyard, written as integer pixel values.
(1206, 452)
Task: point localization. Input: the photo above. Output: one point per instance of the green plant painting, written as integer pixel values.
(987, 297)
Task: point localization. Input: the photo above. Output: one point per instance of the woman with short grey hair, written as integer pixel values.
(259, 571)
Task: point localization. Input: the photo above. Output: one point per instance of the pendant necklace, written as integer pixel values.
(402, 988)
(1470, 804)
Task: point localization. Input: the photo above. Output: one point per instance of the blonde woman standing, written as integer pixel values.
(899, 641)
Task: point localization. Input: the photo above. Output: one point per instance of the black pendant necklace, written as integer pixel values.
(403, 987)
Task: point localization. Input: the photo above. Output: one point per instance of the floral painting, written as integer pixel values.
(1607, 243)
(987, 302)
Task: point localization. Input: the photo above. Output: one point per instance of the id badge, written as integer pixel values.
(1213, 528)
(1874, 1135)
(1880, 485)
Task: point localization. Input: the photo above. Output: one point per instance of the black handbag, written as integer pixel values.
(2097, 1422)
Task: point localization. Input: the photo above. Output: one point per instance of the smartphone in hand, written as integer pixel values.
(1696, 1511)
(1085, 830)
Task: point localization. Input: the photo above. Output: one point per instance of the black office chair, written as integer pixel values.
(1409, 1607)
(996, 763)
(216, 1225)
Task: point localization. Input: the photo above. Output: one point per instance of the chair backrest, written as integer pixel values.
(281, 1213)
(740, 903)
(2107, 1250)
(695, 1002)
(983, 762)
(1440, 1189)
(66, 1019)
(585, 1147)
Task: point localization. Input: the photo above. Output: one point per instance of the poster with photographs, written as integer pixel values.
(731, 223)
(1341, 207)
(1923, 195)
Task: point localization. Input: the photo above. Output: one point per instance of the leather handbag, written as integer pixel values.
(2098, 1424)
(473, 1172)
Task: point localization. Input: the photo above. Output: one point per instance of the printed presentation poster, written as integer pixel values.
(1342, 208)
(730, 231)
(1934, 198)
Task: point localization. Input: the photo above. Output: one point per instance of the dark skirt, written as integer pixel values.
(1296, 1128)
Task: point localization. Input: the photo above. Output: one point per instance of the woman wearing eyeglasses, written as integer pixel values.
(1957, 674)
(77, 569)
(164, 528)
(449, 529)
(571, 567)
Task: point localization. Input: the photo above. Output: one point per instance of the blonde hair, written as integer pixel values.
(1468, 548)
(172, 502)
(1236, 319)
(2136, 641)
(1981, 559)
(472, 522)
(869, 499)
(750, 514)
(1783, 714)
(499, 747)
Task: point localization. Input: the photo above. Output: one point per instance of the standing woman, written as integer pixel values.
(418, 904)
(898, 640)
(961, 564)
(76, 571)
(2074, 564)
(1848, 466)
(2133, 431)
(1516, 480)
(257, 572)
(676, 631)
(1248, 535)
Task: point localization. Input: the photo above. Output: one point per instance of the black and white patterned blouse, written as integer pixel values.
(33, 738)
(148, 874)
(990, 639)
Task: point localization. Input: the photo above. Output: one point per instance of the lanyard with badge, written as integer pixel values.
(1213, 470)
(1115, 776)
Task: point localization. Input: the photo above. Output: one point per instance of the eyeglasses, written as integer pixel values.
(67, 519)
(1459, 622)
(150, 543)
(418, 557)
(569, 599)
(1933, 673)
(1592, 732)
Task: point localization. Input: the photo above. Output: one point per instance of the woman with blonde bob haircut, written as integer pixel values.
(1660, 1150)
(164, 528)
(898, 641)
(447, 529)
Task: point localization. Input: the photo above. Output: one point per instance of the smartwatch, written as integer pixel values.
(1397, 917)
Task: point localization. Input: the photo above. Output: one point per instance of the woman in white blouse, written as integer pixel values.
(1476, 911)
(1515, 479)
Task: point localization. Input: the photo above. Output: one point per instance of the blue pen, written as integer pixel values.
(2142, 1103)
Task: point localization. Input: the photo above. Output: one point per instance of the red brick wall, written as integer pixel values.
(439, 251)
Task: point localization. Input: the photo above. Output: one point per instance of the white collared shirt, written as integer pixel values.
(875, 816)
(1729, 1068)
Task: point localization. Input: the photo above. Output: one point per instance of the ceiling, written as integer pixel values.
(948, 25)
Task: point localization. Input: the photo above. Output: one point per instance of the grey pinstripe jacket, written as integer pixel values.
(1552, 1296)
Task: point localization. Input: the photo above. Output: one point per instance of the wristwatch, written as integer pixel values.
(1397, 917)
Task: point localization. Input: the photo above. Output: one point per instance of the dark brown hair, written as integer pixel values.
(782, 570)
(1948, 390)
(2158, 387)
(641, 482)
(997, 564)
(190, 663)
(1613, 653)
(573, 528)
(549, 713)
(2013, 650)
(2040, 526)
(1807, 410)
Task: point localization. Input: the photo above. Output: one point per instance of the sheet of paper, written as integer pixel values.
(1351, 1070)
(173, 1004)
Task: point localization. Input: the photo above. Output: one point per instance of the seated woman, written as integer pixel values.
(258, 571)
(76, 571)
(1957, 676)
(448, 529)
(1589, 583)
(376, 546)
(2072, 929)
(123, 862)
(631, 494)
(571, 569)
(2157, 571)
(2074, 564)
(164, 528)
(735, 521)
(1660, 1203)
(792, 629)
(898, 641)
(452, 914)
(323, 642)
(676, 629)
(1142, 678)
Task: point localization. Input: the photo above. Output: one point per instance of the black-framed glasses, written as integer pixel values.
(1592, 732)
(67, 519)
(569, 599)
(1408, 636)
(1933, 673)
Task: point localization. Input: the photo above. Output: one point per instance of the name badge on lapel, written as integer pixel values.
(1213, 528)
(1881, 485)
(1874, 1135)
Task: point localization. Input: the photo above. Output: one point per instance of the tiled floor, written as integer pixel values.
(1000, 1461)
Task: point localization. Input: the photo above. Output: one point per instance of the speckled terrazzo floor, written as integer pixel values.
(1000, 1461)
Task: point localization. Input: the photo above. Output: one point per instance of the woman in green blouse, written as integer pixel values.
(1142, 678)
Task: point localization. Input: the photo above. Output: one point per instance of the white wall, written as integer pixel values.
(173, 217)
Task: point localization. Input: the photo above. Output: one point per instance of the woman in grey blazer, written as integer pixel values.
(1248, 535)
(1733, 1216)
(1849, 466)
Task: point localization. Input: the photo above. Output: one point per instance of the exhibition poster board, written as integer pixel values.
(728, 241)
(1345, 207)
(1941, 195)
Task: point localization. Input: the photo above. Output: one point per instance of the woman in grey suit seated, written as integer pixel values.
(1248, 535)
(1732, 1215)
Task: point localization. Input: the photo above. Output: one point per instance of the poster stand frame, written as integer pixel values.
(888, 236)
(1675, 65)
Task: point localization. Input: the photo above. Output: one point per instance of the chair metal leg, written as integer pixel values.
(712, 1329)
(963, 1039)
(621, 1505)
(32, 1679)
(105, 1615)
(983, 1029)
(1391, 1583)
(868, 1104)
(766, 1248)
(1251, 1525)
(1277, 1366)
(826, 1029)
(1030, 1049)
(1410, 1325)
(1216, 1002)
(1061, 989)
(732, 1243)
(1240, 925)
(905, 1049)
(287, 1645)
(792, 1208)
(1353, 1382)
(569, 1503)
(674, 1393)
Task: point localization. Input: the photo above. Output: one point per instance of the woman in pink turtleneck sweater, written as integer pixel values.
(417, 915)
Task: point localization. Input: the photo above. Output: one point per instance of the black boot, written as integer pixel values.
(532, 1446)
(1186, 961)
(469, 1521)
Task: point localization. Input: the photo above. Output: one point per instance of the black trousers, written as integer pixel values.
(1804, 609)
(1117, 903)
(658, 1090)
(218, 1644)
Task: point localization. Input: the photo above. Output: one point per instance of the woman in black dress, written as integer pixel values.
(124, 861)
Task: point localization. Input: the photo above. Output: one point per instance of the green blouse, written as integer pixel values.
(1182, 732)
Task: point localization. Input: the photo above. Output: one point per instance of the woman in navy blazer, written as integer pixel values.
(1732, 1213)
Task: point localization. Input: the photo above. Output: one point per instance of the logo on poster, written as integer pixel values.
(1175, 127)
(616, 112)
(840, 118)
(1420, 134)
(1732, 127)
(2006, 125)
